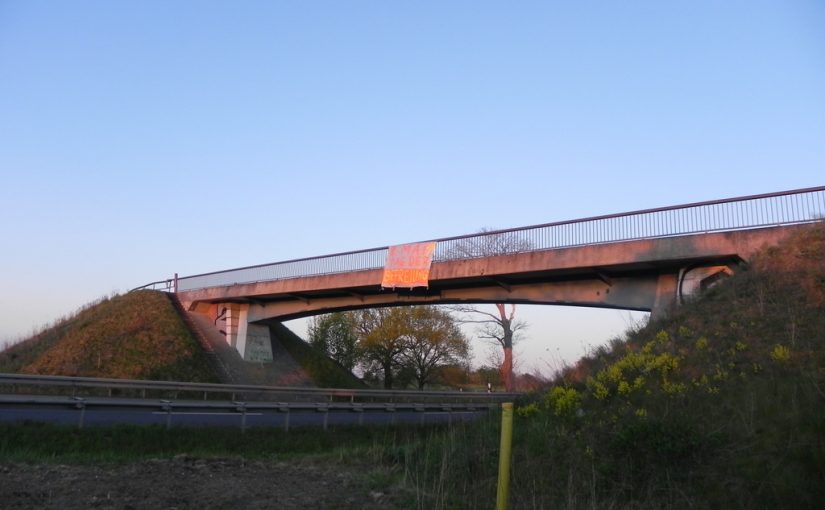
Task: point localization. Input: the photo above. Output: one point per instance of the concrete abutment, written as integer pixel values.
(252, 341)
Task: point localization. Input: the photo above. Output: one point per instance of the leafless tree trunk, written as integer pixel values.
(501, 327)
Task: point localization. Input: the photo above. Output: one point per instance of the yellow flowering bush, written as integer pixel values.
(623, 388)
(597, 389)
(563, 401)
(780, 353)
(528, 410)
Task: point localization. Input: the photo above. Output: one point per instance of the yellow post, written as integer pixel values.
(504, 455)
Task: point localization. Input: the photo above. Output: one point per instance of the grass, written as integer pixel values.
(37, 442)
(138, 335)
(719, 406)
(325, 372)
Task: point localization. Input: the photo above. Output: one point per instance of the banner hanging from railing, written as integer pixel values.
(408, 265)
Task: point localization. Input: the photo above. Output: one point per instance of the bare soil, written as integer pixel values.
(186, 482)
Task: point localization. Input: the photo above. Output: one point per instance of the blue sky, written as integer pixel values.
(139, 139)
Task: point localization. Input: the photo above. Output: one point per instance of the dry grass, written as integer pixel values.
(133, 336)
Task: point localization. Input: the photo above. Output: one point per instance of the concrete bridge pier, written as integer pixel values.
(251, 340)
(665, 299)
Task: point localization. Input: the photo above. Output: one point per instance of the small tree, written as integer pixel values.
(335, 335)
(433, 339)
(382, 340)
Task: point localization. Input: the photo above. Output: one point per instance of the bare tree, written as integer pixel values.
(501, 327)
(487, 242)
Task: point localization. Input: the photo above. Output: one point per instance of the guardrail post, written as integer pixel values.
(449, 410)
(80, 404)
(241, 406)
(504, 455)
(359, 408)
(421, 409)
(166, 405)
(284, 408)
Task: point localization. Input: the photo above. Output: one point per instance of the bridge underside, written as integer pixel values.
(644, 292)
(648, 275)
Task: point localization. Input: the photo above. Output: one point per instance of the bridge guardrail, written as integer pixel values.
(741, 213)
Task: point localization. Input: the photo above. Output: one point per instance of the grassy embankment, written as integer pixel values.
(138, 335)
(323, 371)
(720, 406)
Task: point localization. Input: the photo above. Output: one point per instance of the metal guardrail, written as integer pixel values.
(741, 213)
(244, 401)
(183, 410)
(282, 393)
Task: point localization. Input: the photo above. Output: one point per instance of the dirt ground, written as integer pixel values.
(193, 483)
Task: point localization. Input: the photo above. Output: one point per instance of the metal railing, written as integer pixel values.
(75, 386)
(162, 285)
(749, 212)
(50, 398)
(53, 409)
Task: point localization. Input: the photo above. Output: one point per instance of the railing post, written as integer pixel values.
(166, 405)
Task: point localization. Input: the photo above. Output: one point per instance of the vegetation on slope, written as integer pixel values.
(719, 406)
(138, 335)
(323, 371)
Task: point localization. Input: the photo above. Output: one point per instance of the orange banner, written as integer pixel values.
(408, 265)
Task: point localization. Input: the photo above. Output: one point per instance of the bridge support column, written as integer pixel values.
(665, 300)
(251, 340)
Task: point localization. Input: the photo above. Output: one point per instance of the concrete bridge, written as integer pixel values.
(650, 260)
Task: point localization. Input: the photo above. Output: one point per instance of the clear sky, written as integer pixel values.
(143, 138)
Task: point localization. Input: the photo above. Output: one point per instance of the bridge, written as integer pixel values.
(647, 260)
